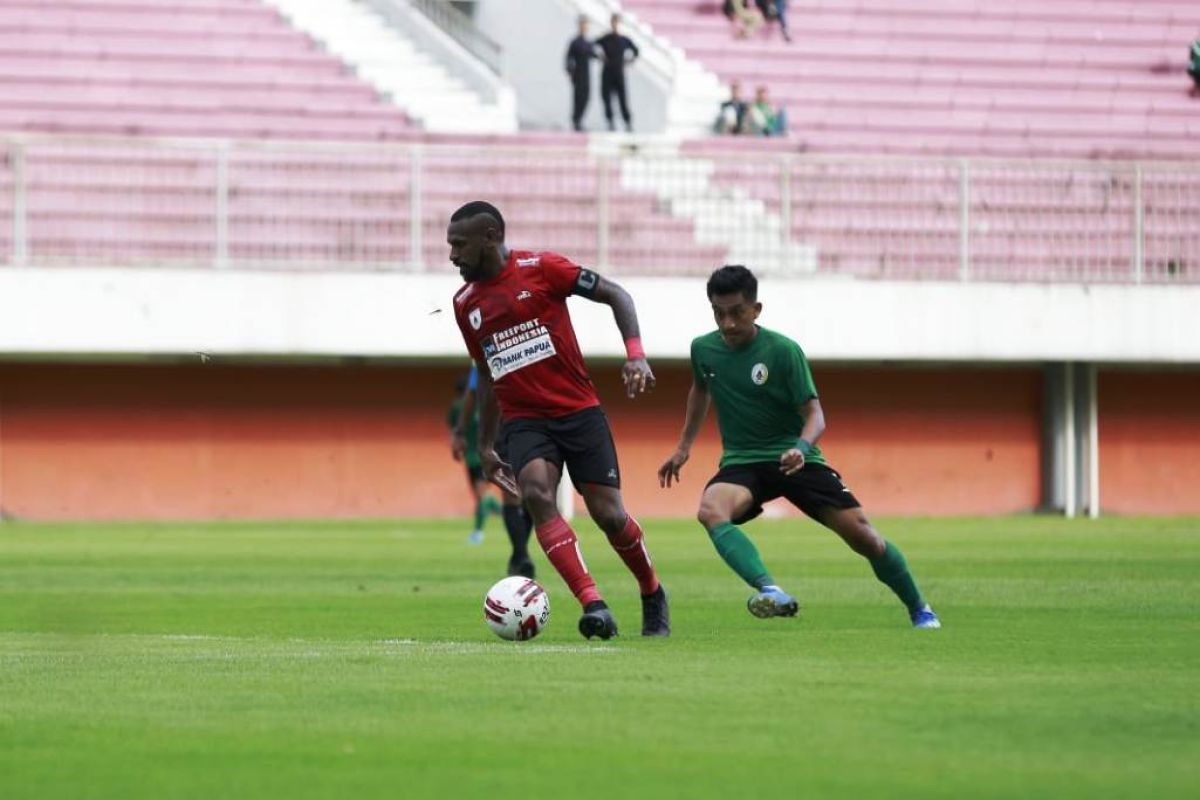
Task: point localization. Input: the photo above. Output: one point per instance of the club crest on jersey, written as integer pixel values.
(475, 318)
(758, 374)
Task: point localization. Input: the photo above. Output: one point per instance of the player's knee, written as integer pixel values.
(539, 499)
(865, 540)
(611, 519)
(710, 516)
(868, 548)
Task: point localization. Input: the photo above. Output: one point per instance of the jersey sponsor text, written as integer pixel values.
(517, 347)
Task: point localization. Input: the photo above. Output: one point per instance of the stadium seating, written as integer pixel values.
(233, 69)
(228, 68)
(325, 206)
(333, 188)
(1043, 221)
(1079, 79)
(1071, 78)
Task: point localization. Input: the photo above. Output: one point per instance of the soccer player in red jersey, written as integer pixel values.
(513, 315)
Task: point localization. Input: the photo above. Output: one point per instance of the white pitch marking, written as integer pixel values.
(339, 647)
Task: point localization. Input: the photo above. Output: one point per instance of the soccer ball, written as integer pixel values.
(516, 608)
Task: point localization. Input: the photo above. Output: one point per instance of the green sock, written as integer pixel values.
(491, 505)
(480, 514)
(740, 554)
(892, 570)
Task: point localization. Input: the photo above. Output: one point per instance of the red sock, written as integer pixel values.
(562, 548)
(630, 545)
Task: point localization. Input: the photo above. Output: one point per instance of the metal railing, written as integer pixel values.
(76, 201)
(458, 26)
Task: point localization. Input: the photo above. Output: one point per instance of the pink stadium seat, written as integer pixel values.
(229, 68)
(1068, 78)
(335, 206)
(964, 72)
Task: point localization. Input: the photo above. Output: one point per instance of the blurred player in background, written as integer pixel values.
(464, 436)
(770, 420)
(534, 386)
(464, 432)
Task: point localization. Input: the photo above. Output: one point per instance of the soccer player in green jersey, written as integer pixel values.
(770, 419)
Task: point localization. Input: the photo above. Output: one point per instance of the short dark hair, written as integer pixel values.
(733, 278)
(476, 207)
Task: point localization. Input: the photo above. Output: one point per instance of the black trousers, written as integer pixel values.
(611, 83)
(582, 89)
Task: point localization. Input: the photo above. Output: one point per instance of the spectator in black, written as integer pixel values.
(613, 47)
(731, 118)
(580, 53)
(1194, 67)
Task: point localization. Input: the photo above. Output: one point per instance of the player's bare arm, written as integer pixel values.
(697, 409)
(635, 373)
(792, 461)
(494, 469)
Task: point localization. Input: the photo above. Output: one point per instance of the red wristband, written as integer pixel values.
(633, 348)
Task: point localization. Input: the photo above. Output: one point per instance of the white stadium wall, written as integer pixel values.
(133, 313)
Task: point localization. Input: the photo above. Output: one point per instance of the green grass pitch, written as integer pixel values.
(307, 660)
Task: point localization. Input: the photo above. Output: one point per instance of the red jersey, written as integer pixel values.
(517, 326)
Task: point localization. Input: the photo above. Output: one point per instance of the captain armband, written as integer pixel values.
(586, 284)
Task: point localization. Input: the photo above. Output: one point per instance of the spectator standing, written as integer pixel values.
(580, 53)
(613, 49)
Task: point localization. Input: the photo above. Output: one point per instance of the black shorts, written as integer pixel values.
(812, 489)
(474, 473)
(582, 440)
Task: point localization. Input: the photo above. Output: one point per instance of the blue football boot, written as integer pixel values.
(924, 617)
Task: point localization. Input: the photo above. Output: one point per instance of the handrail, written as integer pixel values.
(458, 26)
(769, 206)
(659, 61)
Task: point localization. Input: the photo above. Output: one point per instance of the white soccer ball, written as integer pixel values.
(516, 608)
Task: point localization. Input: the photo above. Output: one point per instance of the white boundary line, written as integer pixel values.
(337, 646)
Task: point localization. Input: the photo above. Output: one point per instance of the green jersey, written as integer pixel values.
(758, 391)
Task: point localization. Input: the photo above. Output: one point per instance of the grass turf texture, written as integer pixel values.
(351, 659)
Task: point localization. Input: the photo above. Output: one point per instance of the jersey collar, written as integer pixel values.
(509, 265)
(753, 341)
